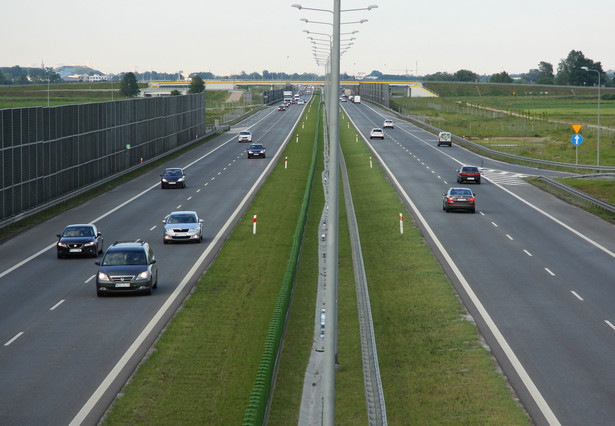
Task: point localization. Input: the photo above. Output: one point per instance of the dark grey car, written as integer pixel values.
(128, 267)
(78, 240)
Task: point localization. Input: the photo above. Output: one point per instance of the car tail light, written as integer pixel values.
(472, 199)
(450, 199)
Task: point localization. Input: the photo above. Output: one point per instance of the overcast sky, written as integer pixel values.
(231, 36)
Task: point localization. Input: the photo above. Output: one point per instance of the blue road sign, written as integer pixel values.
(577, 139)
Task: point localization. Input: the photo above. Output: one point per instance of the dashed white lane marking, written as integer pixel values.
(17, 336)
(57, 304)
(576, 295)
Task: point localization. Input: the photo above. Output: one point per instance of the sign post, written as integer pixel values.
(577, 139)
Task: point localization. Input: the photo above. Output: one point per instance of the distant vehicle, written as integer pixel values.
(343, 99)
(301, 101)
(78, 240)
(376, 133)
(459, 199)
(256, 150)
(388, 123)
(288, 95)
(468, 174)
(183, 226)
(173, 178)
(356, 99)
(244, 136)
(445, 138)
(128, 267)
(282, 108)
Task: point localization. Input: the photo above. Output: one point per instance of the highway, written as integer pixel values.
(64, 352)
(534, 272)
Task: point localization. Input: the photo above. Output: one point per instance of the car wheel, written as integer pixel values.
(147, 292)
(59, 256)
(165, 241)
(478, 182)
(99, 293)
(473, 210)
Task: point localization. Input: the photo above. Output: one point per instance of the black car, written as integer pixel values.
(256, 150)
(459, 199)
(128, 267)
(468, 174)
(173, 178)
(79, 240)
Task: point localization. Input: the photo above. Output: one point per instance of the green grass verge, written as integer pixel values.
(203, 367)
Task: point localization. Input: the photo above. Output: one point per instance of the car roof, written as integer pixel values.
(244, 132)
(376, 128)
(169, 169)
(74, 225)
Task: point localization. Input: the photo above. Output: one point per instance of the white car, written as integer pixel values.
(245, 136)
(183, 226)
(388, 123)
(376, 133)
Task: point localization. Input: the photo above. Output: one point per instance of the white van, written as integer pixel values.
(445, 138)
(356, 99)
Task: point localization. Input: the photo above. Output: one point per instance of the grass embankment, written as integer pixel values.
(203, 368)
(528, 124)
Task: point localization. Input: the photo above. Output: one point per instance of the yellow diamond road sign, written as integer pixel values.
(577, 127)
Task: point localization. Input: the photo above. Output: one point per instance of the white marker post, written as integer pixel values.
(302, 125)
(356, 138)
(254, 225)
(370, 162)
(297, 138)
(285, 162)
(401, 223)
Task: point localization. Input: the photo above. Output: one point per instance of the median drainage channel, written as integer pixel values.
(312, 398)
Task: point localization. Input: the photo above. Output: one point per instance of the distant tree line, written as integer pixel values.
(570, 72)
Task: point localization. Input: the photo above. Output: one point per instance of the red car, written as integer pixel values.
(468, 174)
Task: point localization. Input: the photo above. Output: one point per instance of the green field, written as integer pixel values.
(525, 123)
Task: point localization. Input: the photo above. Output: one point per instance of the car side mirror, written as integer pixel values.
(164, 221)
(444, 194)
(59, 235)
(99, 234)
(200, 220)
(153, 261)
(97, 263)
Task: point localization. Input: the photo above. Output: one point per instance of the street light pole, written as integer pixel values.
(598, 147)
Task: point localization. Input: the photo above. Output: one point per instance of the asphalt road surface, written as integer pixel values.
(535, 273)
(64, 352)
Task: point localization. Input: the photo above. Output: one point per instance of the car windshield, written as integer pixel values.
(461, 192)
(125, 258)
(244, 133)
(470, 169)
(175, 172)
(78, 232)
(254, 147)
(182, 218)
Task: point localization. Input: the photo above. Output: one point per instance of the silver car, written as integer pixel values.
(183, 226)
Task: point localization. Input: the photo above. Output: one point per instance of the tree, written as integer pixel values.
(197, 85)
(502, 77)
(129, 86)
(570, 72)
(545, 76)
(175, 92)
(465, 75)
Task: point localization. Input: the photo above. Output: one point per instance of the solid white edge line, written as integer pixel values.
(119, 366)
(523, 375)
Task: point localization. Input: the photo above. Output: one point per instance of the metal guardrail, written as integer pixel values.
(533, 162)
(579, 195)
(573, 192)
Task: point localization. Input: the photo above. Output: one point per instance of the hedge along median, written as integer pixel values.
(203, 368)
(259, 400)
